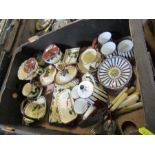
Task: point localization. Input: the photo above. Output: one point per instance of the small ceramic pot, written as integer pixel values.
(125, 48)
(48, 76)
(104, 37)
(91, 64)
(88, 56)
(32, 90)
(34, 109)
(71, 56)
(52, 54)
(27, 70)
(109, 49)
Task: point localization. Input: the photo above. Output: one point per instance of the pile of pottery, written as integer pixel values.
(78, 80)
(109, 48)
(115, 71)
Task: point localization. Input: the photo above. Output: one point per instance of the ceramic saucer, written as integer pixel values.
(65, 108)
(48, 75)
(66, 75)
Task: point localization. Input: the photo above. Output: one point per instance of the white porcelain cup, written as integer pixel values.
(125, 48)
(108, 49)
(104, 37)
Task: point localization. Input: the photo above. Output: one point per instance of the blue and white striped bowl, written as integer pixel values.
(115, 73)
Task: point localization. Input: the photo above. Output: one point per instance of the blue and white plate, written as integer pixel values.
(115, 73)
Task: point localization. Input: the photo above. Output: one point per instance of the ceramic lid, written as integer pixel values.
(85, 89)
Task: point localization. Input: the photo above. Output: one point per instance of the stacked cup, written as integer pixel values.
(108, 47)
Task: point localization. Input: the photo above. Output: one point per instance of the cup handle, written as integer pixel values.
(94, 43)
